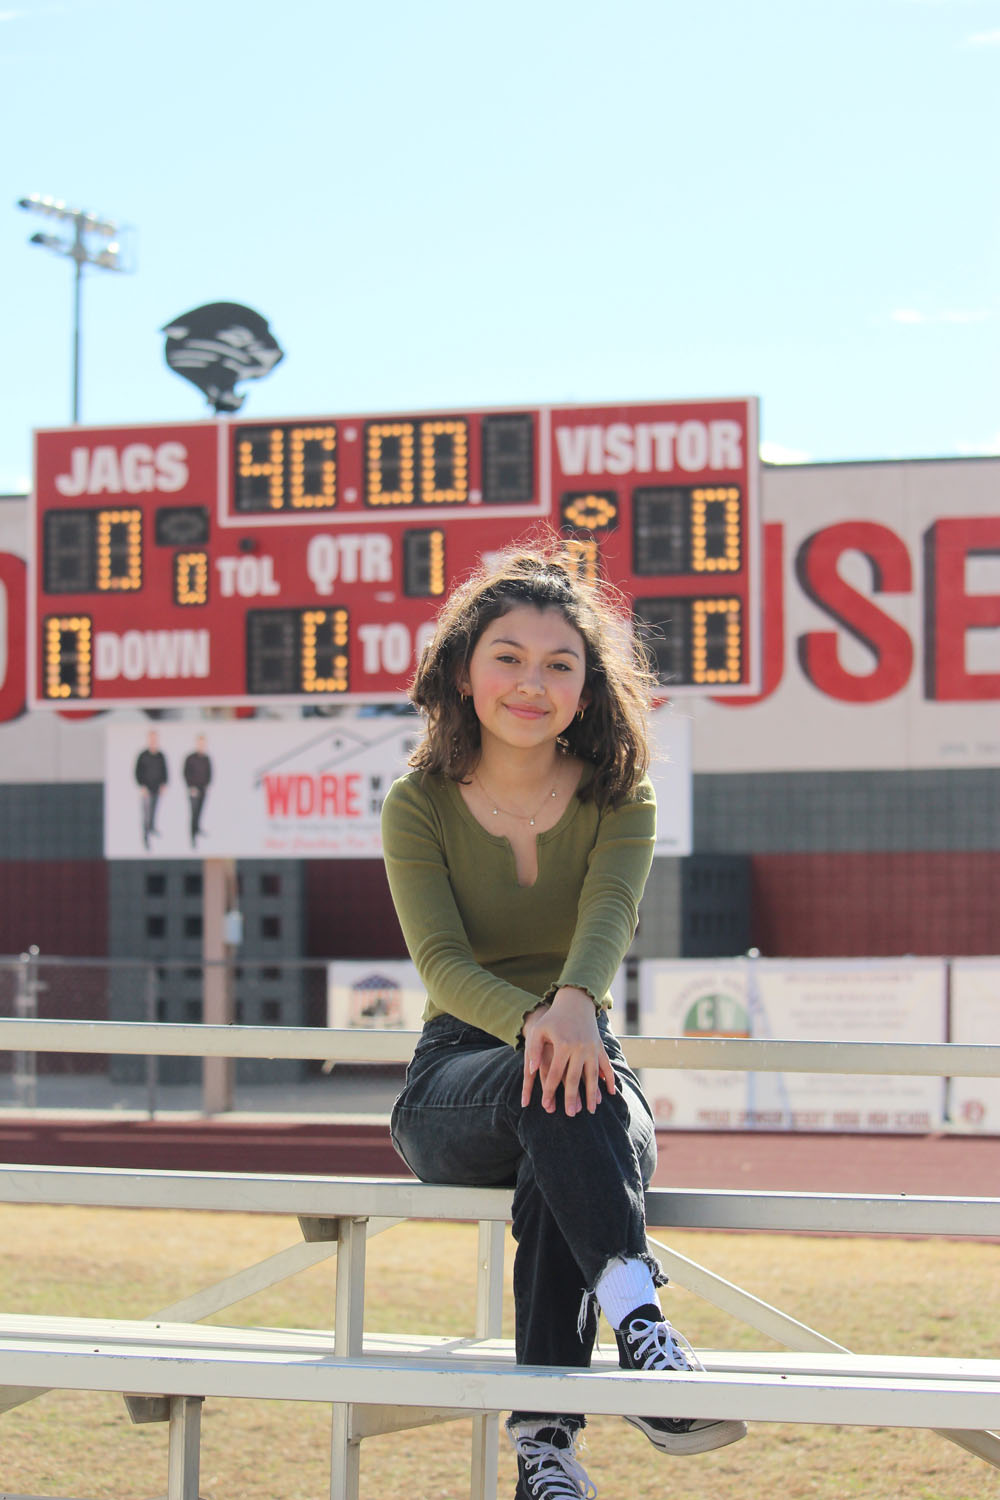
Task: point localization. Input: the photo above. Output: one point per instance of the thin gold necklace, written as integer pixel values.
(495, 808)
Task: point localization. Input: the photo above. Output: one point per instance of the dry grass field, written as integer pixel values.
(907, 1296)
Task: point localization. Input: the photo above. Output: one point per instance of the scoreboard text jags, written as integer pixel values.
(224, 562)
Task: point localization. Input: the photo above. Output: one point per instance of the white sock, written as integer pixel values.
(626, 1285)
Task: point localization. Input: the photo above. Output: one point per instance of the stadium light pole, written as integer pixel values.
(94, 243)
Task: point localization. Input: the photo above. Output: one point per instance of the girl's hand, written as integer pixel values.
(562, 1044)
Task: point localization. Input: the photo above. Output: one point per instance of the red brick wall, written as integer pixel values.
(853, 905)
(349, 912)
(61, 905)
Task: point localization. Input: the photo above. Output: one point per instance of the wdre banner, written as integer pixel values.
(824, 1000)
(295, 789)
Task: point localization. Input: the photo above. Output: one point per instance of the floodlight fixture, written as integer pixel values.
(82, 250)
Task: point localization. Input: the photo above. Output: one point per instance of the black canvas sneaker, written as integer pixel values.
(547, 1466)
(647, 1342)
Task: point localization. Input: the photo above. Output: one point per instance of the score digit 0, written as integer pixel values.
(716, 640)
(190, 578)
(90, 551)
(67, 645)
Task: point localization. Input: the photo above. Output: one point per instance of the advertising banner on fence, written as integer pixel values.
(376, 995)
(974, 1103)
(387, 993)
(299, 788)
(870, 1000)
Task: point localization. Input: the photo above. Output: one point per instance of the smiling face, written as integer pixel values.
(526, 677)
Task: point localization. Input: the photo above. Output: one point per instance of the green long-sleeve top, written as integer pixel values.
(487, 949)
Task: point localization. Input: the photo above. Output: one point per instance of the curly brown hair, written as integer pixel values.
(612, 735)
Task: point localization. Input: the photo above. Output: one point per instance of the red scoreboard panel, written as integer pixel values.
(291, 561)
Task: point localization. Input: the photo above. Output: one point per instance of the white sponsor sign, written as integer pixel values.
(374, 995)
(873, 1000)
(694, 998)
(288, 789)
(974, 1103)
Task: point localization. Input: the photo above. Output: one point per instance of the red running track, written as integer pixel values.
(961, 1166)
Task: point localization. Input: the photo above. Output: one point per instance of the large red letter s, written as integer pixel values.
(816, 567)
(14, 605)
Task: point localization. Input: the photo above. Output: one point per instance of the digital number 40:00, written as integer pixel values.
(406, 463)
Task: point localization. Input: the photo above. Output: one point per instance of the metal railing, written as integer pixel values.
(89, 991)
(91, 1033)
(159, 1039)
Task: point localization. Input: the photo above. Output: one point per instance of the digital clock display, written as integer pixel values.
(404, 463)
(303, 560)
(285, 466)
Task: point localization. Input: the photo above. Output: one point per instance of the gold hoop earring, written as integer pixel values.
(579, 717)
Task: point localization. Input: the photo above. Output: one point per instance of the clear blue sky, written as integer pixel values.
(441, 204)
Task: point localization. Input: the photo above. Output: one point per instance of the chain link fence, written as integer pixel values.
(271, 992)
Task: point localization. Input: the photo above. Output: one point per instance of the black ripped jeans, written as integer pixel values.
(578, 1180)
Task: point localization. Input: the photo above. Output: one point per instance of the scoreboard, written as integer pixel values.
(295, 561)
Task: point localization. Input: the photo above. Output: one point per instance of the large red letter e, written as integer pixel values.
(951, 612)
